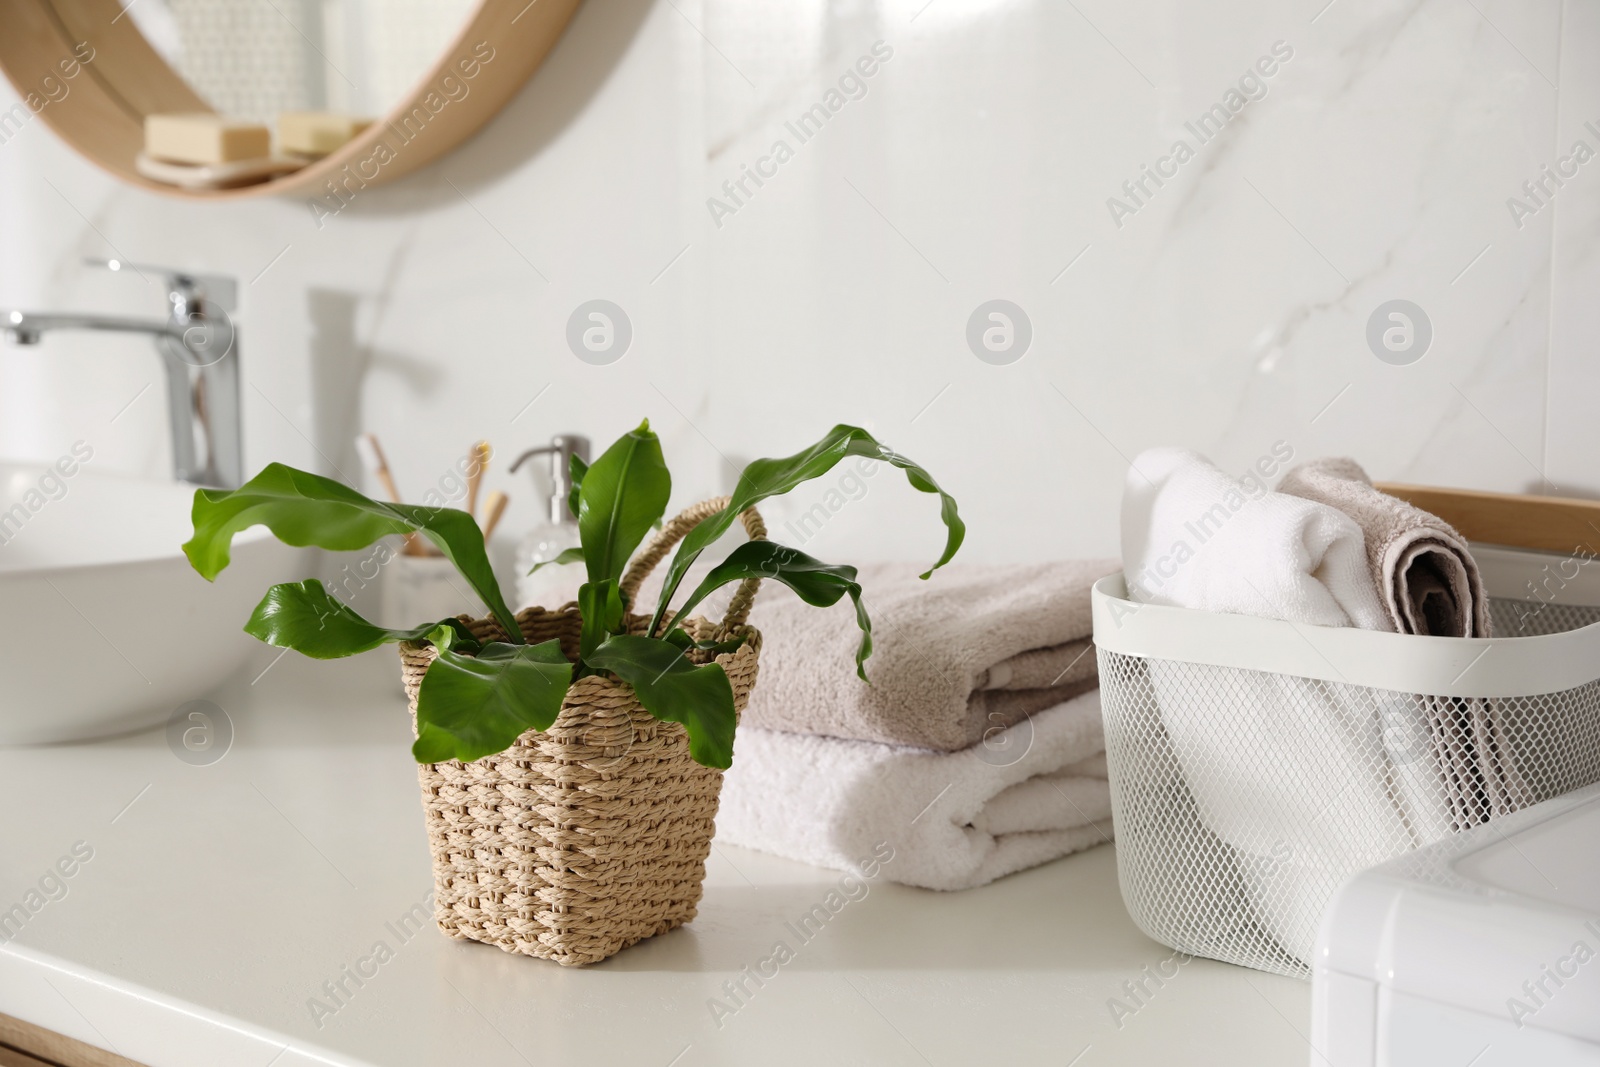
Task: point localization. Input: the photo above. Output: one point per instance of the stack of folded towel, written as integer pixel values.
(975, 751)
(1307, 770)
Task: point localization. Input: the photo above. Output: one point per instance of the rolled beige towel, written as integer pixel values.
(1424, 572)
(1430, 585)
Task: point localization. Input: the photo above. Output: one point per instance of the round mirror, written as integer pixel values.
(231, 98)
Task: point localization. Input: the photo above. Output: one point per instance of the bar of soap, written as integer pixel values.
(317, 133)
(202, 137)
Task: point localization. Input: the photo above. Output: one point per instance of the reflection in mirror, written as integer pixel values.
(255, 59)
(222, 99)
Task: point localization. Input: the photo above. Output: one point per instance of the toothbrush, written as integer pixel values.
(373, 459)
(477, 463)
(494, 505)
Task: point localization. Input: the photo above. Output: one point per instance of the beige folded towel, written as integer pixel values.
(972, 650)
(1421, 565)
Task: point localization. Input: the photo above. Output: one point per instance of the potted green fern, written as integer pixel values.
(570, 757)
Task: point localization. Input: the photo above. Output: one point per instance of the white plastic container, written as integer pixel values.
(1257, 764)
(1481, 949)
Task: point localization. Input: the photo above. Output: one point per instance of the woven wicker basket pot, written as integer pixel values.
(575, 843)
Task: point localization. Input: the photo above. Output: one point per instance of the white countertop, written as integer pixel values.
(220, 898)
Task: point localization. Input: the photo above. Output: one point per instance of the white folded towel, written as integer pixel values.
(1196, 538)
(1031, 793)
(1292, 775)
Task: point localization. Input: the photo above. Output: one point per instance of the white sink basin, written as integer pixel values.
(107, 628)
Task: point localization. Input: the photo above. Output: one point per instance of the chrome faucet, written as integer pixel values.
(199, 350)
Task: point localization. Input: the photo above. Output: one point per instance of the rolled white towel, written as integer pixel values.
(1195, 538)
(954, 819)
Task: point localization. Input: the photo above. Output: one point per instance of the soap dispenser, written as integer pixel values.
(554, 585)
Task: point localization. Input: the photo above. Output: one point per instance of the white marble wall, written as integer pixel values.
(1228, 312)
(1573, 456)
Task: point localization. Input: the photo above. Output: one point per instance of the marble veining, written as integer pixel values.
(1227, 312)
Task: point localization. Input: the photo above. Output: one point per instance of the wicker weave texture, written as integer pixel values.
(578, 842)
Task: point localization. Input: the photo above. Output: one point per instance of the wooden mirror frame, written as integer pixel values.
(99, 108)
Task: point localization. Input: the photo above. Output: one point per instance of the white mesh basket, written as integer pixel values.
(1256, 764)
